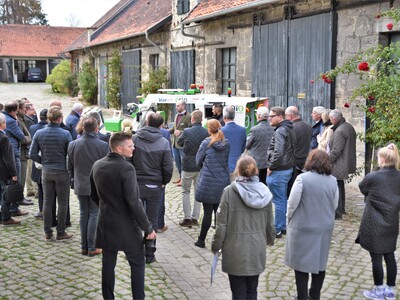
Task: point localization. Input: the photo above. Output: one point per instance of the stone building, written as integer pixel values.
(255, 47)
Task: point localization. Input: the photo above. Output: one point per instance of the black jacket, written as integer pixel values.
(303, 132)
(7, 160)
(281, 148)
(316, 129)
(190, 141)
(152, 157)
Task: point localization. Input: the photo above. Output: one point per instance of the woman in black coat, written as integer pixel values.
(379, 226)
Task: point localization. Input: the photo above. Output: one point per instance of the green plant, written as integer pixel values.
(114, 78)
(59, 76)
(88, 83)
(72, 85)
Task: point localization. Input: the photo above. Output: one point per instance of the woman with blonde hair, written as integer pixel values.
(379, 226)
(245, 225)
(326, 135)
(127, 126)
(212, 157)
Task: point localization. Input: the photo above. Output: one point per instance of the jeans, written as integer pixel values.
(278, 183)
(377, 268)
(151, 198)
(55, 183)
(88, 222)
(178, 153)
(187, 179)
(136, 262)
(244, 287)
(161, 211)
(317, 280)
(5, 207)
(206, 223)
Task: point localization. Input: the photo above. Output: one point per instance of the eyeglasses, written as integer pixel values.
(272, 116)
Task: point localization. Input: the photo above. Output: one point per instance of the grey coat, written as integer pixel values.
(379, 226)
(311, 217)
(258, 141)
(82, 154)
(245, 225)
(343, 150)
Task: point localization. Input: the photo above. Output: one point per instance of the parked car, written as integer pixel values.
(33, 74)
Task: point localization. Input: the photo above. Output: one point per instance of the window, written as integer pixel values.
(154, 61)
(183, 6)
(21, 66)
(228, 70)
(31, 63)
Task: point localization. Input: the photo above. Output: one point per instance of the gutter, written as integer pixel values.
(229, 10)
(190, 35)
(154, 28)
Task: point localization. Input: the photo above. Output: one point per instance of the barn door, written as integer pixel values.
(131, 76)
(287, 55)
(182, 69)
(103, 81)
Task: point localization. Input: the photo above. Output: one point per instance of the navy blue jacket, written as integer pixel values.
(236, 135)
(214, 173)
(14, 133)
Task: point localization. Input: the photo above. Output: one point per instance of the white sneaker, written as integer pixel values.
(389, 293)
(375, 293)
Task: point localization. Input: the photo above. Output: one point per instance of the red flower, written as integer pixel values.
(326, 79)
(201, 87)
(378, 16)
(347, 105)
(363, 66)
(371, 97)
(312, 81)
(389, 26)
(371, 109)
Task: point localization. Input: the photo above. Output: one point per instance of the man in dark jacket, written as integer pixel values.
(8, 171)
(82, 154)
(190, 141)
(342, 154)
(317, 127)
(217, 113)
(303, 132)
(114, 188)
(258, 141)
(153, 162)
(73, 119)
(280, 164)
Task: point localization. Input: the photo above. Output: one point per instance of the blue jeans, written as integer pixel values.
(278, 183)
(55, 183)
(178, 153)
(88, 221)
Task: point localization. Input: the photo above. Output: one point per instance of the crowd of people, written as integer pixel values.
(258, 186)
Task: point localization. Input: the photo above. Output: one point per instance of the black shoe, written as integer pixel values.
(279, 235)
(150, 259)
(186, 223)
(283, 232)
(68, 225)
(25, 202)
(200, 244)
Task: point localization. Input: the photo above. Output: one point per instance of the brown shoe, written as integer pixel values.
(19, 213)
(11, 222)
(186, 223)
(177, 181)
(48, 237)
(64, 236)
(84, 252)
(30, 194)
(165, 228)
(195, 222)
(94, 253)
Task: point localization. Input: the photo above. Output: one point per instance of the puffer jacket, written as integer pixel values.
(281, 148)
(190, 141)
(245, 225)
(379, 225)
(214, 173)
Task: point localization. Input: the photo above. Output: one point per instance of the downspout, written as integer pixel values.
(190, 35)
(154, 44)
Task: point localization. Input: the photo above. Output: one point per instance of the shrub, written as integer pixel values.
(114, 79)
(88, 83)
(59, 77)
(72, 85)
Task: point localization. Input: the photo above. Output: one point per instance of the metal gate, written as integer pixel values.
(182, 69)
(131, 76)
(103, 81)
(287, 55)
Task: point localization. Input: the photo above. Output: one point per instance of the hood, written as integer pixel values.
(149, 134)
(220, 145)
(285, 123)
(253, 193)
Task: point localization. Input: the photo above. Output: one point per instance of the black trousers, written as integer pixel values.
(317, 281)
(136, 262)
(340, 210)
(207, 217)
(262, 175)
(377, 268)
(243, 287)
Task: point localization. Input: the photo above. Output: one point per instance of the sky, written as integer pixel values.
(86, 12)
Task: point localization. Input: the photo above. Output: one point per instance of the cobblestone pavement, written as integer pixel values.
(30, 268)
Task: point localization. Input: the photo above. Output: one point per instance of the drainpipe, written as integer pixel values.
(154, 44)
(190, 35)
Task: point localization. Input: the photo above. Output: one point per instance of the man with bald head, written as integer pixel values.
(303, 132)
(182, 121)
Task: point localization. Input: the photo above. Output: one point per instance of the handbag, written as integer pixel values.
(15, 192)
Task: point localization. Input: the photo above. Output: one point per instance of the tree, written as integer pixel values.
(73, 20)
(88, 83)
(22, 12)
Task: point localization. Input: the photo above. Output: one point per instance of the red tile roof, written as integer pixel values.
(134, 19)
(110, 13)
(212, 8)
(36, 41)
